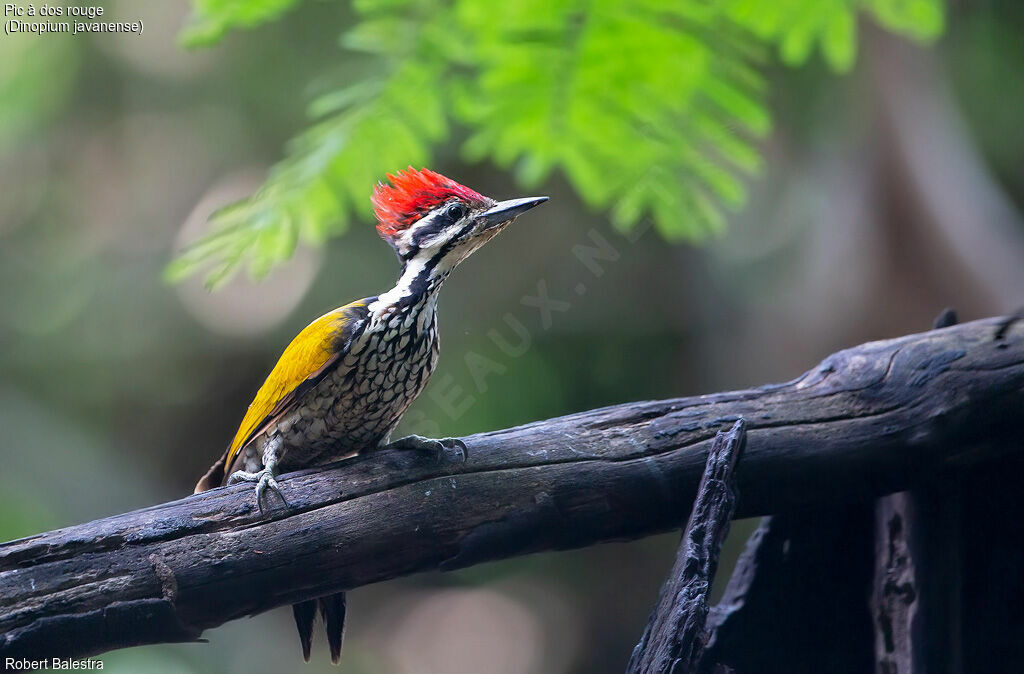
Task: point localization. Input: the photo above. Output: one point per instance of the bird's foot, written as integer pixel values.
(435, 448)
(264, 479)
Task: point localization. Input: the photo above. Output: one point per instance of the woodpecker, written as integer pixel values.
(342, 385)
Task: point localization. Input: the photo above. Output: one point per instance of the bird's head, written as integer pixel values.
(437, 222)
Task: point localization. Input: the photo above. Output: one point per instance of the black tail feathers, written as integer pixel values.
(332, 610)
(305, 614)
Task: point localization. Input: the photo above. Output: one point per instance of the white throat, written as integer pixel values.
(416, 284)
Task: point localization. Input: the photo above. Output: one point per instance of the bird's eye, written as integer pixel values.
(455, 212)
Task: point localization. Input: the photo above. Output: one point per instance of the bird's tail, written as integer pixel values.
(332, 610)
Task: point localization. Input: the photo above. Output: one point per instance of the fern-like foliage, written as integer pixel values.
(797, 25)
(211, 19)
(634, 101)
(649, 108)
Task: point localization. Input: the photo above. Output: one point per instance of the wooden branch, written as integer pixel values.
(674, 638)
(867, 421)
(895, 598)
(989, 632)
(902, 522)
(797, 597)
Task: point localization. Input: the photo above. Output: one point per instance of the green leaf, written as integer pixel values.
(796, 25)
(329, 173)
(648, 108)
(839, 41)
(211, 19)
(549, 94)
(922, 20)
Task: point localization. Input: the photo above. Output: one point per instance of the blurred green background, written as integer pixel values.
(890, 185)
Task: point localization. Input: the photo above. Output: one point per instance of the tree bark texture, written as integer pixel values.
(674, 639)
(871, 420)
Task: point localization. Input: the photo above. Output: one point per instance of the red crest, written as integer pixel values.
(411, 195)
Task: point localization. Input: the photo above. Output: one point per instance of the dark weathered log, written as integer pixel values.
(896, 594)
(991, 581)
(1008, 321)
(915, 593)
(797, 600)
(674, 639)
(917, 600)
(865, 422)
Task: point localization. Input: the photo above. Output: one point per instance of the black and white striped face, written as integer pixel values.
(444, 230)
(451, 232)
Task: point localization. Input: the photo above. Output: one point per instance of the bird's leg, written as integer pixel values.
(434, 447)
(264, 478)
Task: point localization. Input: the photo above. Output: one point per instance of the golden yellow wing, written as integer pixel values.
(304, 362)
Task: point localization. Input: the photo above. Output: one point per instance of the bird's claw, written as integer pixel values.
(264, 479)
(456, 444)
(435, 447)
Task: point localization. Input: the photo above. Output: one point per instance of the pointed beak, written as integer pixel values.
(504, 211)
